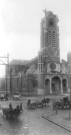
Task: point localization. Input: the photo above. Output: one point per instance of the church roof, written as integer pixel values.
(24, 62)
(18, 62)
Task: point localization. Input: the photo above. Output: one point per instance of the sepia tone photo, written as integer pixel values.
(35, 67)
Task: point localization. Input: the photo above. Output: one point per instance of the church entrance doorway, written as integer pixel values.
(55, 85)
(64, 85)
(47, 86)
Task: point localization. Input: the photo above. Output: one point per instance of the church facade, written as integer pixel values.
(52, 75)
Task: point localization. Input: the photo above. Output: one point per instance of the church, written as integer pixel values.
(45, 74)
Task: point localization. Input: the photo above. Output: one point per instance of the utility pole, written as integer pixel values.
(21, 83)
(70, 94)
(28, 83)
(7, 69)
(2, 60)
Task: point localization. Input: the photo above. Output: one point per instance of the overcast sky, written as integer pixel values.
(20, 27)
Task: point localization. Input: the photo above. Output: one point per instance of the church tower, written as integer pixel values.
(50, 35)
(49, 46)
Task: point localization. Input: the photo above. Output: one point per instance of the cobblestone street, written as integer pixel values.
(29, 123)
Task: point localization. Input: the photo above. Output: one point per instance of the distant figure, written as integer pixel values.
(18, 109)
(10, 107)
(21, 109)
(44, 101)
(29, 101)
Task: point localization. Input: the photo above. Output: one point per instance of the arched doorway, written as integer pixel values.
(55, 85)
(47, 86)
(64, 85)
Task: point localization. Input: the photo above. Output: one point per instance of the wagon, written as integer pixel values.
(11, 114)
(63, 103)
(37, 104)
(16, 97)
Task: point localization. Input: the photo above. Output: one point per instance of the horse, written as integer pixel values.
(45, 101)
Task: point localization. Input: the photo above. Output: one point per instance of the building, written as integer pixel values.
(50, 75)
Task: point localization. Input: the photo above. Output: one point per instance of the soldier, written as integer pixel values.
(29, 102)
(10, 106)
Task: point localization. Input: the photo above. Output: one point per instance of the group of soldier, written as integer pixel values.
(18, 107)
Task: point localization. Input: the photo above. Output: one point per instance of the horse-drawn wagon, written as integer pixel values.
(38, 104)
(10, 113)
(3, 97)
(63, 103)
